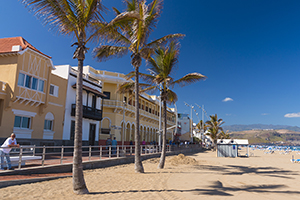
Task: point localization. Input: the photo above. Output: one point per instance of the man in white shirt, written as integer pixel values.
(4, 152)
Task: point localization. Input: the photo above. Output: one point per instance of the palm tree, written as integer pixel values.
(162, 65)
(72, 17)
(132, 36)
(214, 128)
(224, 135)
(201, 126)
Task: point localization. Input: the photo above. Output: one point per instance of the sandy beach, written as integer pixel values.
(196, 176)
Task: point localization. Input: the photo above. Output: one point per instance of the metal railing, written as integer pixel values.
(88, 112)
(33, 156)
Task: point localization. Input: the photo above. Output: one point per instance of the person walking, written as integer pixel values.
(108, 144)
(4, 152)
(114, 145)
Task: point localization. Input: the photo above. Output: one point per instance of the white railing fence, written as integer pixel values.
(32, 156)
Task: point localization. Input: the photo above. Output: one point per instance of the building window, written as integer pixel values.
(149, 110)
(48, 125)
(28, 81)
(107, 95)
(146, 108)
(22, 122)
(53, 90)
(41, 86)
(21, 79)
(31, 82)
(34, 83)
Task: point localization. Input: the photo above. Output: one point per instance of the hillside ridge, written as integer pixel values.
(240, 127)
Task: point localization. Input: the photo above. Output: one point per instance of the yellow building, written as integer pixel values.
(32, 100)
(119, 111)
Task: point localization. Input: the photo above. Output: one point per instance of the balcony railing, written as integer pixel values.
(131, 108)
(88, 112)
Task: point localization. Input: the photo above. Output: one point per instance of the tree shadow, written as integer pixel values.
(215, 189)
(241, 170)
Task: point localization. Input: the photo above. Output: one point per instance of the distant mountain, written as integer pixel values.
(236, 128)
(268, 136)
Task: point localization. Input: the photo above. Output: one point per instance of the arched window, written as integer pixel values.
(49, 119)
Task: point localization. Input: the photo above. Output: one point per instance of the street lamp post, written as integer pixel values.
(159, 126)
(123, 132)
(192, 107)
(203, 111)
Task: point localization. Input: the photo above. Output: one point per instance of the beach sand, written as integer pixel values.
(196, 176)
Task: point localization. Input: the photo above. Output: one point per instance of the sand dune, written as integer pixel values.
(200, 176)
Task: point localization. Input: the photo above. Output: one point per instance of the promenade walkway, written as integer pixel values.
(54, 168)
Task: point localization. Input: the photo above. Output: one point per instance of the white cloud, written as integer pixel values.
(228, 114)
(265, 114)
(291, 115)
(227, 99)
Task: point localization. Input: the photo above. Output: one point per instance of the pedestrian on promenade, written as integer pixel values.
(114, 145)
(108, 144)
(4, 152)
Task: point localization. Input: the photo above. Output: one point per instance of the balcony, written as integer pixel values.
(118, 107)
(88, 112)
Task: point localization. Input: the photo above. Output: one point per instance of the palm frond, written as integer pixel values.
(127, 87)
(148, 88)
(188, 79)
(67, 17)
(171, 96)
(162, 41)
(107, 52)
(58, 14)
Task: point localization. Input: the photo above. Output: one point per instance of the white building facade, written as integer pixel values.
(92, 106)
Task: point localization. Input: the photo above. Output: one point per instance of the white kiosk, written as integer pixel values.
(230, 147)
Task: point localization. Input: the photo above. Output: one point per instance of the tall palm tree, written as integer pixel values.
(132, 36)
(72, 17)
(162, 66)
(214, 128)
(224, 135)
(201, 126)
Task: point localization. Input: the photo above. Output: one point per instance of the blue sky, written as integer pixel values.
(249, 50)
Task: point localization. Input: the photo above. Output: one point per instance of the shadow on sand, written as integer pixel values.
(216, 189)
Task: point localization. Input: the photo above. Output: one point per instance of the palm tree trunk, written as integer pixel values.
(138, 166)
(164, 144)
(79, 186)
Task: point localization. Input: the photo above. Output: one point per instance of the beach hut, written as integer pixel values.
(230, 147)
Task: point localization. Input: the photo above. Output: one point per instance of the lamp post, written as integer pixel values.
(192, 107)
(203, 111)
(123, 132)
(159, 125)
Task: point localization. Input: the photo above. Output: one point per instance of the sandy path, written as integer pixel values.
(264, 176)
